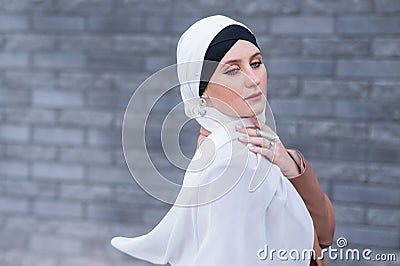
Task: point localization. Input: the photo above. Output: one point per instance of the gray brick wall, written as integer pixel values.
(69, 67)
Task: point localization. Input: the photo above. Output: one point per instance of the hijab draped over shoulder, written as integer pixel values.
(238, 205)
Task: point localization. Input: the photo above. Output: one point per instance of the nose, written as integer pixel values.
(252, 78)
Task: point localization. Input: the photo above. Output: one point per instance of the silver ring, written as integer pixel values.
(267, 135)
(271, 143)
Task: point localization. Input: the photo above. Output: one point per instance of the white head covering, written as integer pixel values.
(234, 225)
(190, 52)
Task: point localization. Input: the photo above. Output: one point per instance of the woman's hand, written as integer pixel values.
(276, 153)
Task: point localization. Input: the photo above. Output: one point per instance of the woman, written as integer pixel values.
(244, 194)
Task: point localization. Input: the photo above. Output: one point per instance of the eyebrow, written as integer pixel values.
(239, 60)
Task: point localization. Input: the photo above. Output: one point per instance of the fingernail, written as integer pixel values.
(238, 127)
(242, 138)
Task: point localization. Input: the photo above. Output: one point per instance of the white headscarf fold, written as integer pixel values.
(230, 229)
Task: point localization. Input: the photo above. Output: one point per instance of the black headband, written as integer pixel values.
(218, 47)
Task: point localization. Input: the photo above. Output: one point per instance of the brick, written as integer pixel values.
(387, 6)
(86, 118)
(62, 23)
(144, 44)
(386, 90)
(30, 116)
(89, 259)
(368, 25)
(386, 47)
(368, 68)
(14, 133)
(336, 7)
(85, 7)
(270, 7)
(366, 110)
(59, 60)
(105, 137)
(14, 205)
(135, 195)
(350, 151)
(115, 62)
(30, 152)
(109, 175)
(14, 97)
(336, 130)
(386, 217)
(285, 87)
(55, 245)
(259, 25)
(10, 240)
(85, 81)
(59, 136)
(24, 224)
(343, 170)
(301, 25)
(108, 99)
(115, 24)
(279, 46)
(73, 192)
(300, 108)
(28, 42)
(57, 208)
(113, 213)
(42, 6)
(150, 215)
(369, 236)
(366, 194)
(381, 173)
(46, 98)
(349, 214)
(21, 257)
(156, 63)
(135, 8)
(328, 88)
(84, 42)
(57, 171)
(13, 168)
(287, 130)
(128, 82)
(381, 153)
(385, 134)
(154, 24)
(13, 23)
(315, 150)
(13, 60)
(29, 79)
(30, 189)
(86, 156)
(335, 46)
(312, 67)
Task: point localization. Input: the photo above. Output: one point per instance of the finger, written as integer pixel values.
(258, 141)
(269, 154)
(261, 125)
(256, 122)
(247, 130)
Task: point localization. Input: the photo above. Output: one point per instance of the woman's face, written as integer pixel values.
(238, 87)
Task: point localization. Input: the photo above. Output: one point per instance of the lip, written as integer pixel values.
(254, 96)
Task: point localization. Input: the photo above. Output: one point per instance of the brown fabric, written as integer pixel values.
(315, 199)
(318, 204)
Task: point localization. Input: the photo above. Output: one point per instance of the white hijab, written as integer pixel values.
(238, 202)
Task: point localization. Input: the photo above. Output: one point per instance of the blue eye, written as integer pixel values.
(256, 64)
(232, 71)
